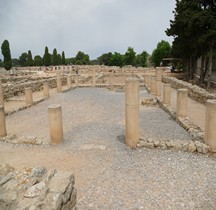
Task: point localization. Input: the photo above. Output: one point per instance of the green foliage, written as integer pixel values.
(54, 57)
(30, 61)
(130, 57)
(23, 59)
(105, 58)
(162, 51)
(82, 58)
(15, 62)
(63, 58)
(117, 59)
(141, 59)
(47, 57)
(1, 63)
(5, 48)
(38, 61)
(59, 59)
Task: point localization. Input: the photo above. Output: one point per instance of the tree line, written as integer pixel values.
(194, 32)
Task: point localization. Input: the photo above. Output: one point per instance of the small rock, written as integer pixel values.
(39, 171)
(36, 190)
(191, 147)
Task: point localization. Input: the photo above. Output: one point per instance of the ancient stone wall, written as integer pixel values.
(195, 92)
(36, 188)
(11, 89)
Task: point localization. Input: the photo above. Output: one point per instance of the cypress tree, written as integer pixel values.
(54, 58)
(63, 58)
(47, 57)
(30, 61)
(6, 54)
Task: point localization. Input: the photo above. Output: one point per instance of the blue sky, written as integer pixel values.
(92, 26)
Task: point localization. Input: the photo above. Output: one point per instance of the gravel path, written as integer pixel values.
(109, 175)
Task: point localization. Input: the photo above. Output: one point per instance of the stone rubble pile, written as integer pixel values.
(150, 101)
(179, 145)
(36, 188)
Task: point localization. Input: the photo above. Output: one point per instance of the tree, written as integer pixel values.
(15, 62)
(141, 59)
(82, 58)
(130, 57)
(5, 48)
(38, 61)
(23, 59)
(55, 57)
(47, 57)
(117, 59)
(194, 31)
(105, 58)
(59, 59)
(1, 63)
(30, 61)
(63, 58)
(162, 51)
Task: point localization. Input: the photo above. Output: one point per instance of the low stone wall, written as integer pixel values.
(36, 188)
(11, 90)
(195, 92)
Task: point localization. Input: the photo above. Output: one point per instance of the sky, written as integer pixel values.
(91, 26)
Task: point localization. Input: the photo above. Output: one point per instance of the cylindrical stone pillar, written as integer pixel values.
(69, 82)
(132, 112)
(181, 106)
(210, 122)
(46, 90)
(1, 94)
(159, 73)
(3, 131)
(55, 123)
(166, 94)
(93, 78)
(111, 81)
(153, 85)
(58, 81)
(28, 96)
(158, 88)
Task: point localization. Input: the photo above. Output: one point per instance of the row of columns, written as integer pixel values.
(182, 105)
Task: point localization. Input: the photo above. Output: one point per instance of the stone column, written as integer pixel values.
(46, 89)
(55, 123)
(166, 94)
(28, 96)
(1, 94)
(93, 78)
(76, 80)
(181, 109)
(153, 85)
(69, 82)
(3, 131)
(58, 81)
(159, 74)
(132, 111)
(158, 88)
(111, 81)
(210, 122)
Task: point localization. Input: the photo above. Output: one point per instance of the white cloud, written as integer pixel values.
(92, 26)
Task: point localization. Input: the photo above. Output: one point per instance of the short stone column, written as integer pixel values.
(93, 77)
(153, 85)
(158, 88)
(166, 94)
(210, 122)
(111, 80)
(55, 123)
(28, 96)
(58, 81)
(159, 73)
(76, 80)
(1, 94)
(69, 82)
(132, 111)
(3, 131)
(182, 106)
(46, 90)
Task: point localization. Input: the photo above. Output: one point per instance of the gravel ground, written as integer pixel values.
(109, 175)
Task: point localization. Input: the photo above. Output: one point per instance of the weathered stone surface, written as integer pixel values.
(54, 201)
(191, 147)
(36, 190)
(39, 171)
(60, 181)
